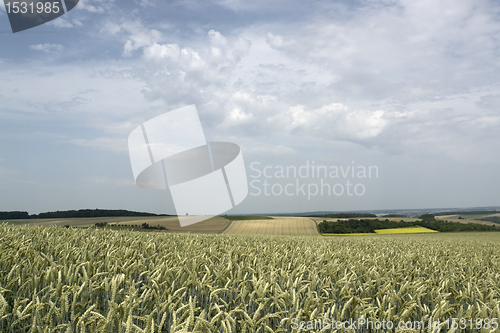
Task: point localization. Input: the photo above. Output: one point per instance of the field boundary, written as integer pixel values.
(227, 226)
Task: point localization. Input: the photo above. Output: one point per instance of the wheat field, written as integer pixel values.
(285, 226)
(54, 279)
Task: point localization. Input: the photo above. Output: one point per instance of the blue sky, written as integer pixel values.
(409, 87)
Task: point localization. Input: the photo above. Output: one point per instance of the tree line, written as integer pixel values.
(344, 215)
(15, 215)
(354, 226)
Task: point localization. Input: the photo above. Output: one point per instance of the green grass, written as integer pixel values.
(246, 217)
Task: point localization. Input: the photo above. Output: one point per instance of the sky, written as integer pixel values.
(410, 89)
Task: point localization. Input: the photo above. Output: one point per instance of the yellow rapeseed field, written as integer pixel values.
(409, 230)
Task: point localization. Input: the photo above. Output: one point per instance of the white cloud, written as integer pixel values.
(61, 22)
(158, 52)
(217, 39)
(138, 37)
(334, 121)
(278, 41)
(370, 77)
(405, 51)
(47, 47)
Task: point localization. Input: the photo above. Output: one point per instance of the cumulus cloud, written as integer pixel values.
(138, 37)
(335, 121)
(371, 77)
(156, 52)
(177, 73)
(405, 51)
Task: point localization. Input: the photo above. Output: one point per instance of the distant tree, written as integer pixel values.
(14, 215)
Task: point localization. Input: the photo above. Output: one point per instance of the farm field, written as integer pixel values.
(213, 225)
(97, 280)
(409, 230)
(397, 219)
(78, 221)
(170, 223)
(466, 219)
(285, 226)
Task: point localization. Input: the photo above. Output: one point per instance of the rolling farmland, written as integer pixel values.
(77, 221)
(171, 224)
(213, 225)
(286, 226)
(455, 218)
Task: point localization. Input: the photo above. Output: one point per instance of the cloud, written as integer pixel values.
(47, 47)
(369, 75)
(278, 41)
(405, 51)
(176, 74)
(96, 6)
(112, 144)
(111, 28)
(491, 102)
(333, 121)
(138, 37)
(61, 22)
(146, 3)
(156, 52)
(344, 78)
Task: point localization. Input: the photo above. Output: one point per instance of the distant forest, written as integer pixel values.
(73, 213)
(344, 215)
(353, 226)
